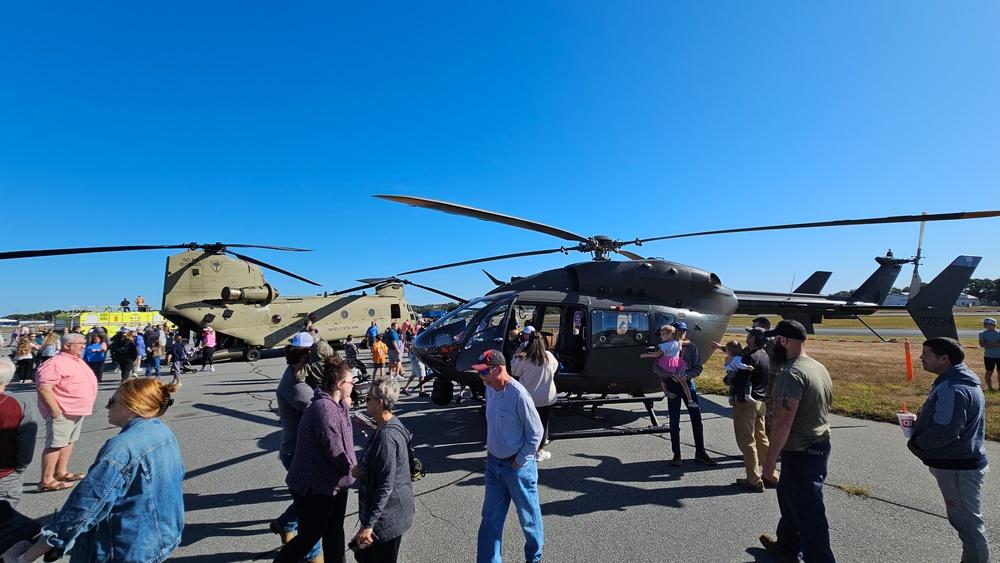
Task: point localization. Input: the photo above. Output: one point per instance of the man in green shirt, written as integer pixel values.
(801, 437)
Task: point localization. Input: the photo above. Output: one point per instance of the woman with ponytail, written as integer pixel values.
(130, 506)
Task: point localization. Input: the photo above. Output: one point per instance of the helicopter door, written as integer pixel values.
(616, 340)
(489, 333)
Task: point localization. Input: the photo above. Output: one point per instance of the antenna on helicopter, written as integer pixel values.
(915, 280)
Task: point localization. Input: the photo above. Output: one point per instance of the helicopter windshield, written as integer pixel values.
(450, 328)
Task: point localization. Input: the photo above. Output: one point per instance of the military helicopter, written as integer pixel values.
(598, 316)
(204, 286)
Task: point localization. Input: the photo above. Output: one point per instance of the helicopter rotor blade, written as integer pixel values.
(216, 247)
(630, 255)
(274, 268)
(87, 250)
(487, 259)
(483, 215)
(373, 283)
(438, 291)
(841, 223)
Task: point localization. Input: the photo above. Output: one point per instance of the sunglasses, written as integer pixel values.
(112, 401)
(485, 371)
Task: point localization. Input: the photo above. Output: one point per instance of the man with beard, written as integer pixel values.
(748, 415)
(801, 436)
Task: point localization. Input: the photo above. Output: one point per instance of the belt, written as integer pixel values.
(510, 458)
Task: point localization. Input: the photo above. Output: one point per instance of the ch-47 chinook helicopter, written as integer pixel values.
(203, 286)
(598, 316)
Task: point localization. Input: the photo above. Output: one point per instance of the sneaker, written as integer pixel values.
(692, 405)
(669, 395)
(211, 368)
(702, 456)
(543, 455)
(780, 552)
(404, 392)
(676, 461)
(424, 394)
(746, 484)
(769, 483)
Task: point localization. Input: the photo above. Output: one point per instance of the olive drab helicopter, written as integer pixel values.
(204, 286)
(598, 316)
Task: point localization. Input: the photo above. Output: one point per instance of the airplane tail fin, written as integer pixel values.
(932, 308)
(876, 288)
(815, 283)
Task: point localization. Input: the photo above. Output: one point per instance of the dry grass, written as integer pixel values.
(856, 490)
(869, 380)
(877, 321)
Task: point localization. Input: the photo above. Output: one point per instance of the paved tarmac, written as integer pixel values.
(603, 499)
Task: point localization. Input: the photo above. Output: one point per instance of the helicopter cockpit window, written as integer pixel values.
(619, 328)
(660, 319)
(491, 327)
(449, 329)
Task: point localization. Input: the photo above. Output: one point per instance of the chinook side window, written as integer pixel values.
(395, 311)
(619, 328)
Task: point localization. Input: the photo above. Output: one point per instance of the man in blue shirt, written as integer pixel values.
(513, 434)
(989, 341)
(370, 335)
(949, 437)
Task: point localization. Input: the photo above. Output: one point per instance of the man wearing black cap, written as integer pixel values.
(801, 436)
(692, 369)
(513, 435)
(949, 437)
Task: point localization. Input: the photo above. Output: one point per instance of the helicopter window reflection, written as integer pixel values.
(449, 329)
(491, 327)
(619, 328)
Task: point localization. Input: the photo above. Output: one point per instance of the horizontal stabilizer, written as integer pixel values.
(932, 308)
(815, 283)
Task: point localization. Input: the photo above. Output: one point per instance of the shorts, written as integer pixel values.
(393, 356)
(379, 365)
(63, 431)
(991, 363)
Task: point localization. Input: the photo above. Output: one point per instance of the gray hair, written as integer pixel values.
(67, 339)
(6, 370)
(387, 389)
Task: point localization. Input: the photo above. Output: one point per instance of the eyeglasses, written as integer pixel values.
(370, 398)
(485, 371)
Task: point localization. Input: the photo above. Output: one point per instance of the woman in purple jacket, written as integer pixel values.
(320, 473)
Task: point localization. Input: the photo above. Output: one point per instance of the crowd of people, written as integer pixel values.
(780, 397)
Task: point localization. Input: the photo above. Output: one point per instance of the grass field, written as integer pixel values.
(869, 379)
(877, 321)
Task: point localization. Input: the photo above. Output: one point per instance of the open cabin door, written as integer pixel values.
(487, 331)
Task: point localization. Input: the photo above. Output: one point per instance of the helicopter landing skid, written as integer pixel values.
(654, 428)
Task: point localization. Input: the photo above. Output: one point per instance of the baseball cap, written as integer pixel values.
(528, 330)
(490, 359)
(789, 329)
(990, 320)
(122, 329)
(756, 332)
(302, 340)
(679, 325)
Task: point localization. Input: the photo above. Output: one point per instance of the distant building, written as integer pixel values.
(900, 299)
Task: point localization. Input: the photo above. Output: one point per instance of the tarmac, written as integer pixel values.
(603, 499)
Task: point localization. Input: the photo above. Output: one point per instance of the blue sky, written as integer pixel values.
(274, 123)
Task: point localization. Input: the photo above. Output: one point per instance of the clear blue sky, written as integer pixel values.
(274, 123)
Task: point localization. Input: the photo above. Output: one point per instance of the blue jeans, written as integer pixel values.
(151, 363)
(289, 519)
(503, 485)
(963, 500)
(674, 413)
(803, 526)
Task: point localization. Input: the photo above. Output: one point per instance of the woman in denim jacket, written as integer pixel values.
(129, 507)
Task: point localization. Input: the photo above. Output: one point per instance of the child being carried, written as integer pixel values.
(734, 363)
(669, 363)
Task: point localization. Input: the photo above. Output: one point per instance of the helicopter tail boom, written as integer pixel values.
(932, 308)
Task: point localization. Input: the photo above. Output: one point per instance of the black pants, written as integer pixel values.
(380, 552)
(206, 356)
(320, 516)
(24, 369)
(128, 366)
(544, 413)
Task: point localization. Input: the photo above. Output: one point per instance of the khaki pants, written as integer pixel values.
(748, 424)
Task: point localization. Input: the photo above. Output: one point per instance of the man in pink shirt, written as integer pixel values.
(66, 393)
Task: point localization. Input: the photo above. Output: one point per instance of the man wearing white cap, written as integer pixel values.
(989, 341)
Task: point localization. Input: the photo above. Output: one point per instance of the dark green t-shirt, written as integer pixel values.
(807, 380)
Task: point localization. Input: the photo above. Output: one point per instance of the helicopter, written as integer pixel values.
(598, 316)
(205, 286)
